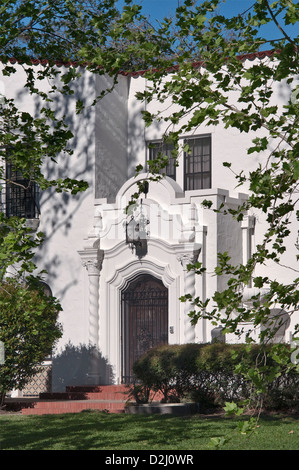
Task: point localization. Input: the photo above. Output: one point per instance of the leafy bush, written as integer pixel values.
(215, 373)
(28, 329)
(156, 370)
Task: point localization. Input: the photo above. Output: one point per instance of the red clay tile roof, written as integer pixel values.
(249, 56)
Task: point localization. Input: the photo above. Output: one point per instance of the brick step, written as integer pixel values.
(97, 388)
(72, 406)
(75, 399)
(100, 395)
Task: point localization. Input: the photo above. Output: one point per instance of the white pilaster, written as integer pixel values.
(92, 260)
(186, 258)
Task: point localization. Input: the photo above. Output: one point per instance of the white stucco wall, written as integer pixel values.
(64, 217)
(109, 141)
(100, 158)
(228, 145)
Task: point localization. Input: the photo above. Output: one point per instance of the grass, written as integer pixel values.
(100, 431)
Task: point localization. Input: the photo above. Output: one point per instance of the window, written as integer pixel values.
(197, 163)
(160, 149)
(21, 195)
(196, 171)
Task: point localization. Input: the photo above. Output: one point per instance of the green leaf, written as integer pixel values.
(232, 408)
(218, 442)
(296, 170)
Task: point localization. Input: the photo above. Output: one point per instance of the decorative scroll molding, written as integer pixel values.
(188, 258)
(92, 260)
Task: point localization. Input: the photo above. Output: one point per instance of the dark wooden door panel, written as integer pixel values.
(144, 320)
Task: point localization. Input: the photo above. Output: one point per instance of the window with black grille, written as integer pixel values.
(197, 162)
(161, 149)
(21, 195)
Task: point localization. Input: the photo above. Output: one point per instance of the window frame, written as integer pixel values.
(189, 180)
(162, 147)
(202, 173)
(21, 197)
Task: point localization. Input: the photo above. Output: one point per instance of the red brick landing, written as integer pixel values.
(111, 398)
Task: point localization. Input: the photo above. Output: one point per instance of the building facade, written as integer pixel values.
(119, 274)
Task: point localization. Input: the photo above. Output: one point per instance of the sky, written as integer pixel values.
(158, 9)
(162, 8)
(166, 7)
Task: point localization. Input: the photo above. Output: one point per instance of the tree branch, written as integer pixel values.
(278, 25)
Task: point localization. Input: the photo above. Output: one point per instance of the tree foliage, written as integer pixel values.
(28, 329)
(34, 36)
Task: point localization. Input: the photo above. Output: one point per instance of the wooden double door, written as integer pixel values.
(144, 320)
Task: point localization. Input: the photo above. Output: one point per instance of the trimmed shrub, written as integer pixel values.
(212, 374)
(157, 371)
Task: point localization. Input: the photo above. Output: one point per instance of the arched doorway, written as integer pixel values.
(144, 320)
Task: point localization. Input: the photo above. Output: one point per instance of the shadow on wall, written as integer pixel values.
(80, 365)
(60, 219)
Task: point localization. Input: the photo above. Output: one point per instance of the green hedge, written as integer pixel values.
(206, 373)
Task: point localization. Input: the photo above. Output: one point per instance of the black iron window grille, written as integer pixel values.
(21, 196)
(197, 163)
(161, 149)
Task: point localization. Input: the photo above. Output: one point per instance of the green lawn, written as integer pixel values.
(100, 431)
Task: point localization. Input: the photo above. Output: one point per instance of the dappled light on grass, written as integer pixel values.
(96, 430)
(102, 431)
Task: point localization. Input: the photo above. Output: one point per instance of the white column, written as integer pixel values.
(189, 288)
(92, 261)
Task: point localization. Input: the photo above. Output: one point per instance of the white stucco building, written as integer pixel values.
(120, 298)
